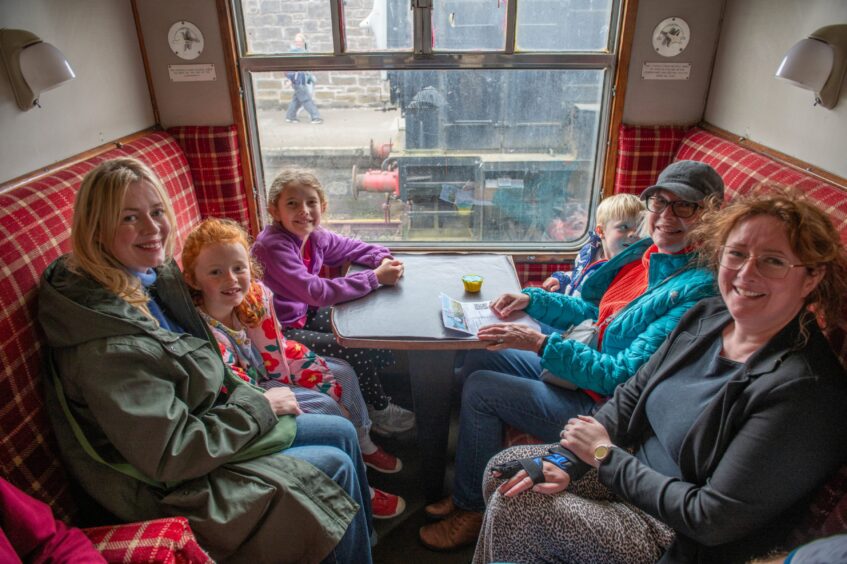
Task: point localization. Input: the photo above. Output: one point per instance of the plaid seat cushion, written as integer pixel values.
(744, 170)
(165, 541)
(643, 151)
(34, 230)
(828, 513)
(534, 273)
(214, 158)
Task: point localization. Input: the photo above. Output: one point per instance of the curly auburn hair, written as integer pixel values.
(810, 233)
(214, 231)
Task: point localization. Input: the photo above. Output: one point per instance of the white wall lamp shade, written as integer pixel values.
(807, 65)
(818, 64)
(32, 66)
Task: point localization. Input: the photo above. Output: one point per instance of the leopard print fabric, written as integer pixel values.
(585, 524)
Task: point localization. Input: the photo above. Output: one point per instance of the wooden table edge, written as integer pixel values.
(410, 344)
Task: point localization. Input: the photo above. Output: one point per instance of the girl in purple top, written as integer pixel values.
(292, 250)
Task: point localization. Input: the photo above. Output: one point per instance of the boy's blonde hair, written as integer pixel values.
(294, 177)
(97, 211)
(213, 231)
(619, 206)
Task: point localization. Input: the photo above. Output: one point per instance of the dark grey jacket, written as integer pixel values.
(752, 459)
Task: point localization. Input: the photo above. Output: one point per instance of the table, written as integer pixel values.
(408, 317)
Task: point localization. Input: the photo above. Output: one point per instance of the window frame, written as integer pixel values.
(423, 58)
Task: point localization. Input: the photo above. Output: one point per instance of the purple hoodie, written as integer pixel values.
(295, 288)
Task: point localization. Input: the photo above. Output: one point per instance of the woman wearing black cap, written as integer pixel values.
(634, 301)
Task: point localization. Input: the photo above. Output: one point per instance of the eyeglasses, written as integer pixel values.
(680, 208)
(769, 266)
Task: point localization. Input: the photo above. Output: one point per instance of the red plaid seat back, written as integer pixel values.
(214, 158)
(34, 230)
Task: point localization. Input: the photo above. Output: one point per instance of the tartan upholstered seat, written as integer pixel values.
(162, 540)
(35, 221)
(744, 170)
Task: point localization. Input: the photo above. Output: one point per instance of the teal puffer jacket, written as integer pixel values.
(674, 285)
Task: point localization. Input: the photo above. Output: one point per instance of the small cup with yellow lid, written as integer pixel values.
(472, 283)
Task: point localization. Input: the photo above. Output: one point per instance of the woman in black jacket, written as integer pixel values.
(710, 452)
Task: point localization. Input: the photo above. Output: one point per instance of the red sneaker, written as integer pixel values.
(385, 505)
(383, 462)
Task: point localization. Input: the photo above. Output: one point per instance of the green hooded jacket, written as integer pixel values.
(149, 400)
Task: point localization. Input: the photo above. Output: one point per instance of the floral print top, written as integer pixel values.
(260, 354)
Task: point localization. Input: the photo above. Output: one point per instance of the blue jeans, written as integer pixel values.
(491, 399)
(517, 363)
(524, 364)
(302, 97)
(329, 443)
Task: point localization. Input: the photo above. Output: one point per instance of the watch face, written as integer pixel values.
(601, 452)
(671, 36)
(185, 40)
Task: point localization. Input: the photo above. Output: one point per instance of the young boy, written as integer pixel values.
(618, 221)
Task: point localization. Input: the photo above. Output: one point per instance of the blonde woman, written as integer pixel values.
(149, 419)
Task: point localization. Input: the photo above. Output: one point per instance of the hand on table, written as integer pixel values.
(507, 304)
(389, 272)
(511, 336)
(581, 435)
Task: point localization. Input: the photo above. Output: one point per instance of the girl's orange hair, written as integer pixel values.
(216, 231)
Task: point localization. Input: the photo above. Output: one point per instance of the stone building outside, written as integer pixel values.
(271, 27)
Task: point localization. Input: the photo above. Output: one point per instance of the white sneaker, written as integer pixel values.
(391, 421)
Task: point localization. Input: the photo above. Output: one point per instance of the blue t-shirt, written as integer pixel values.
(675, 404)
(157, 309)
(829, 550)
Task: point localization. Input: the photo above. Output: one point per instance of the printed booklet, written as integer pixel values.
(468, 317)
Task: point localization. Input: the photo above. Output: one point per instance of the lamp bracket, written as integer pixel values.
(836, 36)
(12, 42)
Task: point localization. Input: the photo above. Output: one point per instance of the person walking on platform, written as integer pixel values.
(303, 83)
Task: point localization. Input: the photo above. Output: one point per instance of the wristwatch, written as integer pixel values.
(601, 453)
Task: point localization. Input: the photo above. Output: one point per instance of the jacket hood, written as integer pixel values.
(74, 309)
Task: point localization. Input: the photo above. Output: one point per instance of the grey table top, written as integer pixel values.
(408, 315)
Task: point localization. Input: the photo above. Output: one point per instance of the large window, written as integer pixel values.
(453, 123)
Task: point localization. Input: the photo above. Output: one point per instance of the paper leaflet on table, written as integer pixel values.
(468, 317)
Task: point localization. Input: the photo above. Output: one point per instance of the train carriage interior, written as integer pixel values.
(440, 126)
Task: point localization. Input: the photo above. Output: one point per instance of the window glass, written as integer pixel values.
(272, 26)
(378, 25)
(446, 156)
(370, 25)
(469, 25)
(557, 25)
(469, 146)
